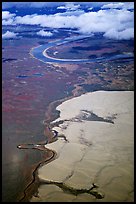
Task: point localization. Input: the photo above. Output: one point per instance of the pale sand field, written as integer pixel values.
(98, 151)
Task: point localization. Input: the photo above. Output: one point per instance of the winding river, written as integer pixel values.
(40, 53)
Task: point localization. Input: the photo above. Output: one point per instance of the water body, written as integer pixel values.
(40, 53)
(24, 106)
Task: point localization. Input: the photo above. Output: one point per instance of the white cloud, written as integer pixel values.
(113, 5)
(119, 5)
(8, 22)
(44, 33)
(118, 21)
(8, 35)
(61, 7)
(90, 8)
(77, 12)
(7, 15)
(30, 19)
(7, 18)
(119, 35)
(6, 5)
(69, 6)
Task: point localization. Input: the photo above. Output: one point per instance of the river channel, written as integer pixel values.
(40, 53)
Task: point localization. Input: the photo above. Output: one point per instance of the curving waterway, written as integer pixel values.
(40, 53)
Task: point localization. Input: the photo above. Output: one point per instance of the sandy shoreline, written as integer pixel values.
(99, 150)
(60, 59)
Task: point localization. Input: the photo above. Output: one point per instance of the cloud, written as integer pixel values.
(69, 6)
(113, 5)
(7, 18)
(44, 33)
(119, 5)
(119, 35)
(44, 4)
(71, 13)
(9, 35)
(71, 9)
(8, 22)
(6, 5)
(90, 8)
(118, 21)
(7, 15)
(61, 7)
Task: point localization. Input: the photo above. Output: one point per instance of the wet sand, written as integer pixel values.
(96, 162)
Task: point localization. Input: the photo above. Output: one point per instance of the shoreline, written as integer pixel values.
(31, 188)
(62, 144)
(49, 115)
(60, 59)
(49, 118)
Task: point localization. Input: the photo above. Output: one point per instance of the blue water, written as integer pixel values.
(37, 52)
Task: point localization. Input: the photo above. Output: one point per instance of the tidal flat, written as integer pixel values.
(96, 163)
(30, 89)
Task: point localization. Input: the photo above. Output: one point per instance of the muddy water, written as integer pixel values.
(25, 97)
(20, 127)
(16, 164)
